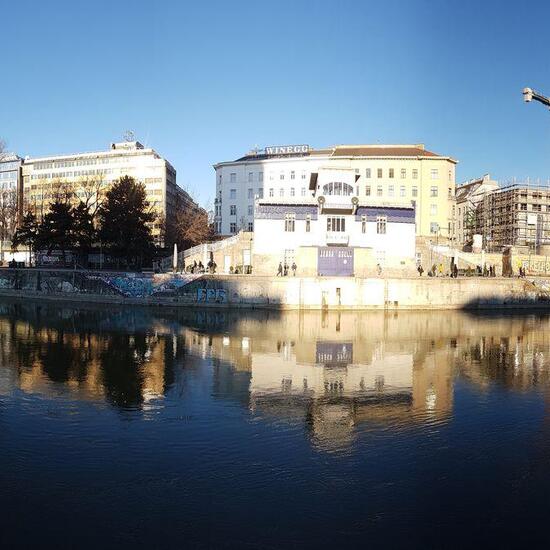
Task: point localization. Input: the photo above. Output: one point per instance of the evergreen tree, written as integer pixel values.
(83, 229)
(124, 217)
(26, 233)
(56, 231)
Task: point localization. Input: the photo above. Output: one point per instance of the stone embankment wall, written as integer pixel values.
(275, 292)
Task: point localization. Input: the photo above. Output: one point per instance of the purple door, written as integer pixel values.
(335, 261)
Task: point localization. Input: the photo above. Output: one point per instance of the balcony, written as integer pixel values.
(337, 237)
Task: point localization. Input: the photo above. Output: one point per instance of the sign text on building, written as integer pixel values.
(286, 149)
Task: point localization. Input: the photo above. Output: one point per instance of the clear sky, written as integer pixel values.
(203, 82)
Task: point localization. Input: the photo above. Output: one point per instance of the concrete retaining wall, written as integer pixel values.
(274, 292)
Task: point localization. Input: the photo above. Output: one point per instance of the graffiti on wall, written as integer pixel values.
(211, 295)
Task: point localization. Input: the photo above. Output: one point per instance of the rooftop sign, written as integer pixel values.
(286, 149)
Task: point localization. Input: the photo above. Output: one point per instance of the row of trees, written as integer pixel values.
(120, 225)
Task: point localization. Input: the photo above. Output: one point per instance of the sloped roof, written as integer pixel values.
(383, 151)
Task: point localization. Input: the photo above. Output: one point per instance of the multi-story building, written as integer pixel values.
(89, 175)
(468, 196)
(385, 174)
(10, 196)
(517, 215)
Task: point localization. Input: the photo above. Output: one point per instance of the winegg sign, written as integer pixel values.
(286, 149)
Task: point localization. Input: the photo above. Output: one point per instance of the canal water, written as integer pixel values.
(130, 427)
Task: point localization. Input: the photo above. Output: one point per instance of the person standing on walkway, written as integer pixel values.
(420, 269)
(294, 267)
(280, 270)
(285, 269)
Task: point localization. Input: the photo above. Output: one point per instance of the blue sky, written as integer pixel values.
(203, 82)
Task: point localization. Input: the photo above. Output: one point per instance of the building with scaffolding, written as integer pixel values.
(517, 215)
(468, 196)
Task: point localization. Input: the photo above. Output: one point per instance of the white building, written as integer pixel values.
(389, 174)
(43, 176)
(331, 231)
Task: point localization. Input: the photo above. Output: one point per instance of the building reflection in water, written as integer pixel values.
(335, 374)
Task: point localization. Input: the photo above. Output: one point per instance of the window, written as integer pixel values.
(363, 224)
(303, 191)
(434, 228)
(290, 223)
(232, 193)
(233, 210)
(250, 193)
(390, 191)
(433, 191)
(415, 174)
(523, 206)
(232, 177)
(250, 226)
(308, 223)
(303, 175)
(450, 193)
(402, 191)
(250, 210)
(282, 176)
(379, 173)
(271, 192)
(403, 173)
(367, 190)
(250, 176)
(232, 227)
(367, 173)
(270, 175)
(281, 192)
(450, 175)
(260, 176)
(336, 224)
(337, 188)
(379, 191)
(537, 208)
(292, 192)
(433, 209)
(415, 191)
(391, 173)
(434, 173)
(381, 222)
(292, 175)
(260, 192)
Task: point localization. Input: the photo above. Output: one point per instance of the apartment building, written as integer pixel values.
(384, 175)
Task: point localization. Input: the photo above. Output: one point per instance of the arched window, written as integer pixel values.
(338, 188)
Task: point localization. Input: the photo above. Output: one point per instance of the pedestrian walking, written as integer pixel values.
(420, 269)
(379, 269)
(294, 267)
(280, 270)
(285, 269)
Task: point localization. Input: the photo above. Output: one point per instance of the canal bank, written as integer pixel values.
(249, 291)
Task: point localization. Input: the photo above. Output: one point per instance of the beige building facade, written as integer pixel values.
(384, 175)
(88, 176)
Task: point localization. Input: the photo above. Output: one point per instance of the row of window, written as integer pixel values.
(80, 162)
(260, 192)
(336, 224)
(259, 176)
(434, 174)
(233, 227)
(338, 188)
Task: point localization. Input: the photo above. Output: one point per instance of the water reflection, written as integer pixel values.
(334, 374)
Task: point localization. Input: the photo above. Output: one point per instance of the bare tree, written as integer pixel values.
(91, 192)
